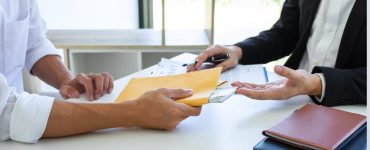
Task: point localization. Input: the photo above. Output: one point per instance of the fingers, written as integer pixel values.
(105, 83)
(189, 110)
(238, 84)
(87, 83)
(210, 51)
(201, 59)
(108, 83)
(286, 72)
(258, 91)
(99, 85)
(254, 94)
(157, 110)
(69, 92)
(110, 87)
(94, 85)
(248, 85)
(176, 93)
(182, 93)
(227, 64)
(260, 94)
(190, 68)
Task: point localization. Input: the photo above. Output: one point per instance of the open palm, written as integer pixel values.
(296, 82)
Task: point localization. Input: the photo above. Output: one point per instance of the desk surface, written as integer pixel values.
(234, 124)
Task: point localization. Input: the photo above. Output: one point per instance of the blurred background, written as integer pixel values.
(125, 36)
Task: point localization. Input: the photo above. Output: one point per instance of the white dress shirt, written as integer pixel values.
(22, 38)
(326, 35)
(23, 116)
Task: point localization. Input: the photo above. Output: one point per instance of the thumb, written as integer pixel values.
(177, 93)
(227, 64)
(69, 92)
(286, 72)
(190, 110)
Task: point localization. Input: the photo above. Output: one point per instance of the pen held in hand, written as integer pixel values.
(214, 59)
(191, 64)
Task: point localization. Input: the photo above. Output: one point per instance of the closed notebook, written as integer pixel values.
(356, 141)
(203, 83)
(317, 127)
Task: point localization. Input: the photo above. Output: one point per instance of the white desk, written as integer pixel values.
(232, 125)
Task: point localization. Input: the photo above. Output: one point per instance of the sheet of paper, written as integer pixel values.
(168, 67)
(203, 83)
(245, 73)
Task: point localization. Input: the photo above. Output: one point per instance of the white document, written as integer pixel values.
(246, 73)
(168, 67)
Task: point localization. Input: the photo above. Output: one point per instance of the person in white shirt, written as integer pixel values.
(324, 37)
(28, 117)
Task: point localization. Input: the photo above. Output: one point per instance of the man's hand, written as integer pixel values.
(297, 82)
(94, 85)
(51, 70)
(157, 109)
(235, 54)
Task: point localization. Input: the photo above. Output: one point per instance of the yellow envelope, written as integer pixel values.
(203, 83)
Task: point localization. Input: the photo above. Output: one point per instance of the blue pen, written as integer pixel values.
(266, 76)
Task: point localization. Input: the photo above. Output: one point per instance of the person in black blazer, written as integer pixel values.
(345, 82)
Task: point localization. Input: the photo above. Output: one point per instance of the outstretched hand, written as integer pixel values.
(296, 82)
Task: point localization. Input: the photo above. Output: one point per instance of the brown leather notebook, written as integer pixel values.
(316, 127)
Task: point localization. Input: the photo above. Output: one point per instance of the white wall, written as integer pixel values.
(117, 64)
(90, 14)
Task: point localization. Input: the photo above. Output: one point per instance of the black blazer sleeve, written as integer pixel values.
(275, 43)
(343, 86)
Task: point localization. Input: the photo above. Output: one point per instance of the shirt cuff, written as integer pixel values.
(29, 117)
(39, 50)
(323, 83)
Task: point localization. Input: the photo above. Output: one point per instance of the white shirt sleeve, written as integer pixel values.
(38, 44)
(23, 116)
(323, 83)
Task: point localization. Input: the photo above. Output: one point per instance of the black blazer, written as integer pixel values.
(346, 83)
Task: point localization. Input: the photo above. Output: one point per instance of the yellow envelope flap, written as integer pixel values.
(203, 83)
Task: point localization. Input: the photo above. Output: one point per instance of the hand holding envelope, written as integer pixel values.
(203, 83)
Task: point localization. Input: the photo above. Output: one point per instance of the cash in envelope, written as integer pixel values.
(203, 83)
